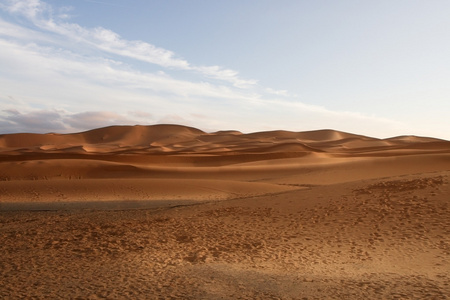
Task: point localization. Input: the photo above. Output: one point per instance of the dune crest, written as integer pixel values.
(177, 139)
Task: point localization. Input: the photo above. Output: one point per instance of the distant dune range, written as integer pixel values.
(136, 148)
(172, 212)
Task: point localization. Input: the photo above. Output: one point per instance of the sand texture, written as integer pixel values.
(172, 212)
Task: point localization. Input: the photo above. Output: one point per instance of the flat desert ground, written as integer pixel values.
(172, 212)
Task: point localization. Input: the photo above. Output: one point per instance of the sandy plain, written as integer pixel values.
(172, 212)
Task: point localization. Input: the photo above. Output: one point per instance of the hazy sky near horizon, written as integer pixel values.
(378, 68)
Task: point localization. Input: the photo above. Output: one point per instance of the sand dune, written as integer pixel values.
(179, 151)
(169, 211)
(180, 139)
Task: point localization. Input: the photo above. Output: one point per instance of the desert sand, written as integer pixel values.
(172, 212)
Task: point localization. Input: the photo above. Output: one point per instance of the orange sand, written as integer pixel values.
(167, 211)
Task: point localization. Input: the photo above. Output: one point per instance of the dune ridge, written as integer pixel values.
(177, 139)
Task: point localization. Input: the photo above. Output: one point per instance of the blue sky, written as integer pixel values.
(378, 68)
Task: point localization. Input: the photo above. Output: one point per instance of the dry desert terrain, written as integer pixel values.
(172, 212)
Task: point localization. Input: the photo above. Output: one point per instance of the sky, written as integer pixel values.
(377, 68)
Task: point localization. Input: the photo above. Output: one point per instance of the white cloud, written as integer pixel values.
(231, 76)
(45, 65)
(63, 80)
(42, 78)
(29, 8)
(18, 32)
(41, 15)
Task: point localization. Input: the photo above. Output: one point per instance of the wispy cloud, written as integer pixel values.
(45, 64)
(43, 16)
(106, 3)
(8, 30)
(60, 76)
(41, 120)
(284, 93)
(231, 76)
